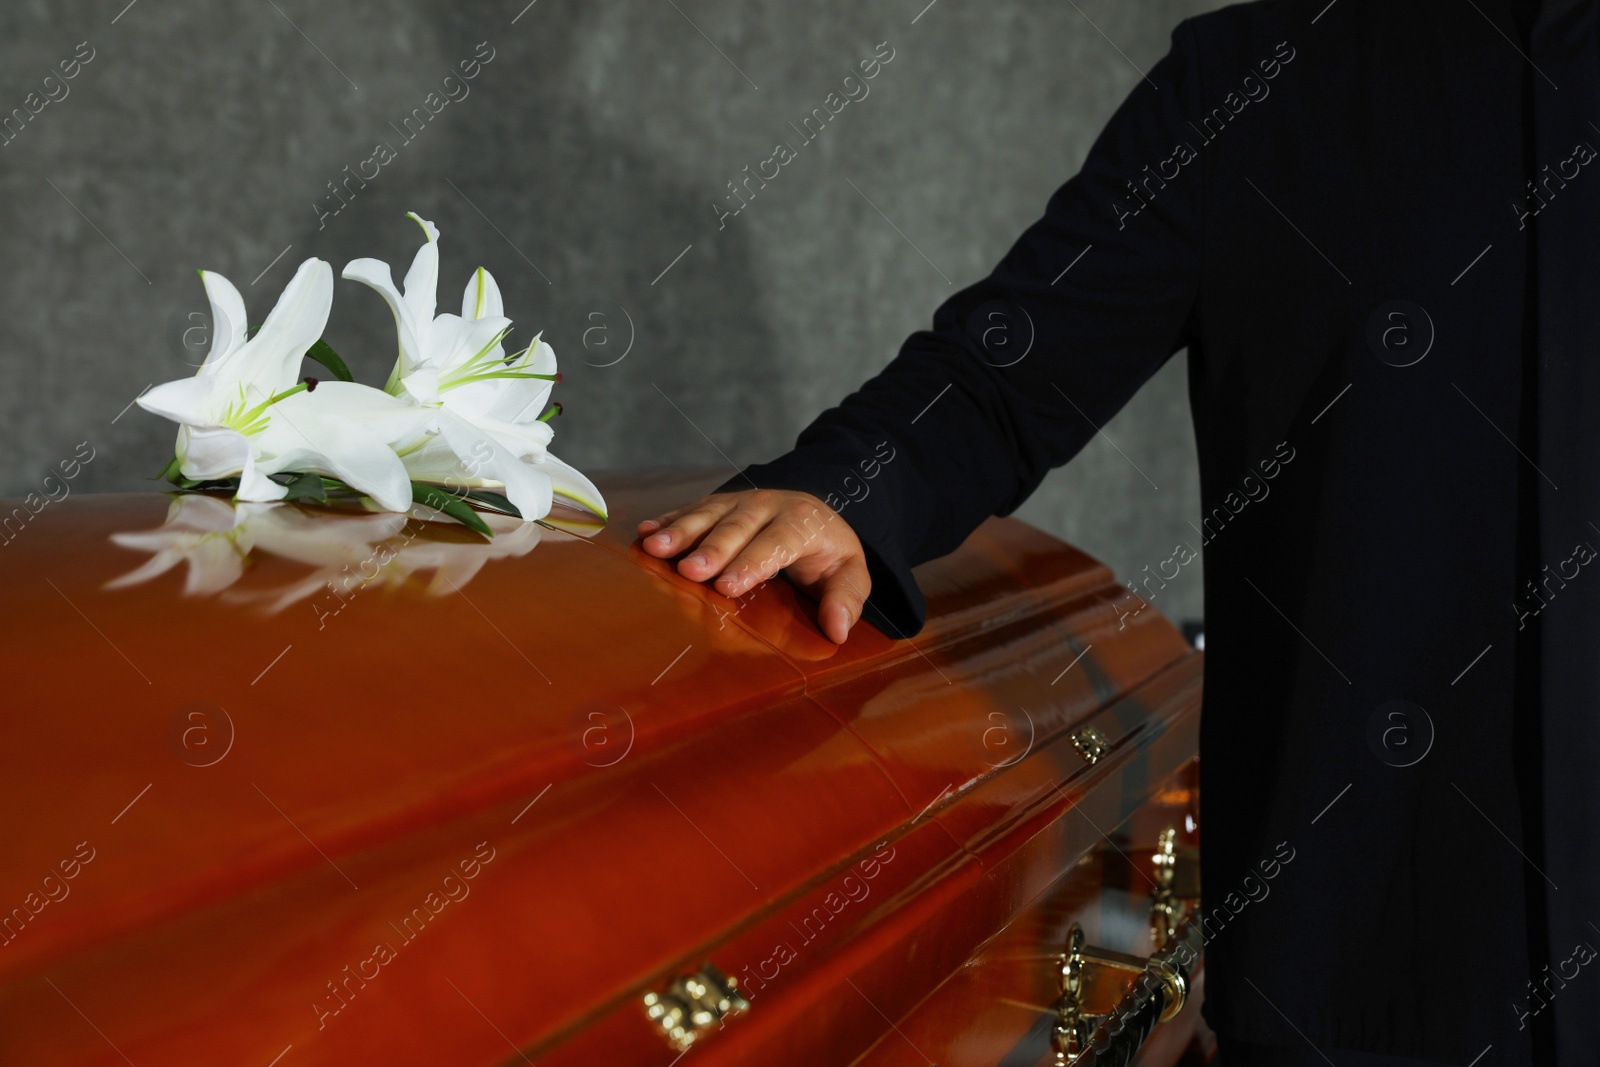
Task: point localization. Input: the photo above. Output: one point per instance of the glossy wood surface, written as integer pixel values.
(640, 774)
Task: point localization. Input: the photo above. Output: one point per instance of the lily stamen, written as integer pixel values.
(254, 420)
(482, 368)
(488, 375)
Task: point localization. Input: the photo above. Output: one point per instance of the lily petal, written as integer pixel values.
(389, 417)
(269, 362)
(374, 274)
(453, 340)
(525, 440)
(422, 280)
(482, 299)
(570, 484)
(186, 400)
(527, 487)
(209, 452)
(256, 487)
(506, 401)
(422, 385)
(345, 434)
(528, 402)
(435, 462)
(228, 322)
(357, 459)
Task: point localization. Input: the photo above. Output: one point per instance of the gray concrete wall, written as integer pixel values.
(584, 159)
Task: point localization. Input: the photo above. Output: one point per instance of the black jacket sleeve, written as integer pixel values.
(1021, 369)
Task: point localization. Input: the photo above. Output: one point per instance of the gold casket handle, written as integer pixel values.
(1102, 1019)
(1112, 1036)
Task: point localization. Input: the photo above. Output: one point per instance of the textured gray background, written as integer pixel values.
(586, 157)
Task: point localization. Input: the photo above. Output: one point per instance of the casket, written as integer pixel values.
(293, 785)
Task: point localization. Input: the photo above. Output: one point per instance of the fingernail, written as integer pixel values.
(697, 558)
(660, 540)
(649, 526)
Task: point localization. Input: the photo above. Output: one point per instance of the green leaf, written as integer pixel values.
(169, 472)
(498, 501)
(453, 506)
(326, 356)
(307, 487)
(205, 484)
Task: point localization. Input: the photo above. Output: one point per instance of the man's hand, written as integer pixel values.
(742, 539)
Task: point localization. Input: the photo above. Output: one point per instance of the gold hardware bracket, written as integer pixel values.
(1175, 875)
(1165, 908)
(1092, 743)
(693, 1004)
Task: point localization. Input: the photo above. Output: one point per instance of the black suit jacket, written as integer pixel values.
(1394, 363)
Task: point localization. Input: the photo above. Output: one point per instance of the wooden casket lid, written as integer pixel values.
(343, 788)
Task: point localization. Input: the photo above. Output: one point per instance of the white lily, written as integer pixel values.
(488, 408)
(245, 413)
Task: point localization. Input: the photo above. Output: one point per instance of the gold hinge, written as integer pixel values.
(1091, 743)
(694, 1003)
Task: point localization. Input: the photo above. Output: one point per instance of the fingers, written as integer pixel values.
(748, 515)
(675, 531)
(844, 595)
(742, 539)
(650, 526)
(823, 557)
(773, 549)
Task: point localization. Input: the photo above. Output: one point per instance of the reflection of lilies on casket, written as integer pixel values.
(216, 537)
(347, 550)
(425, 545)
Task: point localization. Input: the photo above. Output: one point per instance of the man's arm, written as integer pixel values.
(1018, 372)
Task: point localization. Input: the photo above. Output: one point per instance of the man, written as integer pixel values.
(1375, 226)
